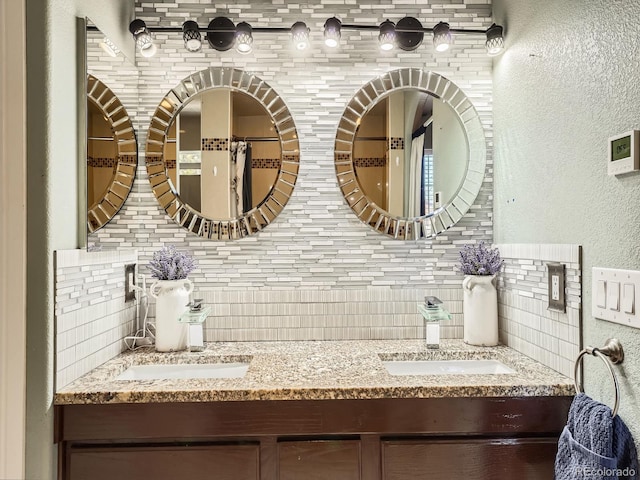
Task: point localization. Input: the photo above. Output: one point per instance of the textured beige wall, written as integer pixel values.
(567, 81)
(13, 232)
(52, 196)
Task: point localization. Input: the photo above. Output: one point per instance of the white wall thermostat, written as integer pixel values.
(624, 153)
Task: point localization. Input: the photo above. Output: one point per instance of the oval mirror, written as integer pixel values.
(410, 154)
(222, 154)
(112, 154)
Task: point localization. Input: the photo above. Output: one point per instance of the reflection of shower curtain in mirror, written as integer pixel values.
(247, 200)
(240, 178)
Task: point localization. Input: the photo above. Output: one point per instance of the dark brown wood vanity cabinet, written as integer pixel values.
(390, 439)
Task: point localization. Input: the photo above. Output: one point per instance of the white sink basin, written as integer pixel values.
(184, 371)
(447, 367)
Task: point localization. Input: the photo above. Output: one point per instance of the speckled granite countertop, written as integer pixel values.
(316, 371)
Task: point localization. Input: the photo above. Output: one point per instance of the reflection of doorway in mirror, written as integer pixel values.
(370, 156)
(410, 153)
(223, 154)
(253, 126)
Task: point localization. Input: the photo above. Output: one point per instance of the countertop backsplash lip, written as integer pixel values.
(313, 370)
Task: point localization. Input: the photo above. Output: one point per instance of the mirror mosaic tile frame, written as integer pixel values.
(426, 226)
(126, 162)
(170, 106)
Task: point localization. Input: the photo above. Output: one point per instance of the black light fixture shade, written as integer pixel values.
(441, 37)
(300, 35)
(332, 32)
(409, 41)
(387, 36)
(225, 35)
(244, 38)
(143, 38)
(495, 40)
(191, 36)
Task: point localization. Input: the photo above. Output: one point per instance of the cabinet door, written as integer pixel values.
(486, 459)
(219, 462)
(319, 460)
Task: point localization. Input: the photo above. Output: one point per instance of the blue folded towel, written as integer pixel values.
(595, 445)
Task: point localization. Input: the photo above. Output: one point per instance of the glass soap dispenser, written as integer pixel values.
(432, 313)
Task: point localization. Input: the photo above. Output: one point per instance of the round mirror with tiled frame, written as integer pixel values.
(198, 89)
(369, 210)
(112, 154)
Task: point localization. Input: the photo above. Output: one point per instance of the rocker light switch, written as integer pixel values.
(601, 294)
(614, 293)
(628, 298)
(613, 296)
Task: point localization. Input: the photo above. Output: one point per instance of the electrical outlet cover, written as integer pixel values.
(129, 279)
(556, 275)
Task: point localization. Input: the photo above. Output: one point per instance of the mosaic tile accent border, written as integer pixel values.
(101, 162)
(274, 163)
(343, 156)
(291, 158)
(130, 159)
(91, 316)
(369, 162)
(170, 163)
(550, 337)
(215, 144)
(396, 143)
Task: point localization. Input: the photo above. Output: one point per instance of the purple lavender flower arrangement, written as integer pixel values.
(480, 260)
(170, 264)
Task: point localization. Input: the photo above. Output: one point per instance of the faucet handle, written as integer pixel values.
(432, 302)
(195, 305)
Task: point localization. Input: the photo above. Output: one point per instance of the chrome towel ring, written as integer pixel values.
(613, 350)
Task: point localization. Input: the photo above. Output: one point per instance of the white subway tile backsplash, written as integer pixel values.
(90, 326)
(550, 337)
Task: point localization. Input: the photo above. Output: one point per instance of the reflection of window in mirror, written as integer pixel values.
(410, 153)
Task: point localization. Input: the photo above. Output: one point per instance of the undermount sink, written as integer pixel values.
(184, 371)
(447, 367)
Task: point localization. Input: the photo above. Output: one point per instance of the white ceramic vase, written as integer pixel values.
(480, 310)
(171, 297)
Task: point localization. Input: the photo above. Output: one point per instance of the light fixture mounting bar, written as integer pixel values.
(353, 26)
(220, 30)
(345, 26)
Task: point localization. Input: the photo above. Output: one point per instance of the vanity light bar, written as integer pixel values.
(222, 34)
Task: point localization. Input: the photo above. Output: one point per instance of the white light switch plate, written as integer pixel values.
(616, 285)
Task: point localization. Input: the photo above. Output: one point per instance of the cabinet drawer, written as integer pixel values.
(319, 460)
(222, 462)
(480, 459)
